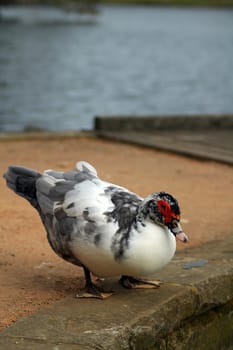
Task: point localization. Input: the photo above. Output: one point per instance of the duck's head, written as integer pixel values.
(163, 209)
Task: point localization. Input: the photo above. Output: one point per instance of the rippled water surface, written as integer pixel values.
(58, 70)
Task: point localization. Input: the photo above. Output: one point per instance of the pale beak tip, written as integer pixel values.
(182, 237)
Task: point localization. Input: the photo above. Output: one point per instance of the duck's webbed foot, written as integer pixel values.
(132, 282)
(91, 290)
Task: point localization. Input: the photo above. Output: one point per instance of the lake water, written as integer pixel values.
(58, 71)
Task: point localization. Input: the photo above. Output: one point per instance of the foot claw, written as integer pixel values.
(85, 294)
(93, 291)
(146, 285)
(134, 283)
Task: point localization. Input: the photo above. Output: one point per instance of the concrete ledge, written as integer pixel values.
(202, 137)
(193, 309)
(165, 122)
(217, 146)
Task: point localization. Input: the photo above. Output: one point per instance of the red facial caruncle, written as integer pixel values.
(166, 210)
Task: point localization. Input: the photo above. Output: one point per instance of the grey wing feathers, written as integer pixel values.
(53, 185)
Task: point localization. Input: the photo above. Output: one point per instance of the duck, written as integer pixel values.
(104, 228)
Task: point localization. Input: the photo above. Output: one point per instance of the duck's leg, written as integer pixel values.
(90, 289)
(132, 282)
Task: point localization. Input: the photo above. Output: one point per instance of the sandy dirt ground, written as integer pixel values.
(32, 276)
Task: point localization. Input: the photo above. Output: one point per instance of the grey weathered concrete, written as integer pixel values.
(164, 122)
(203, 137)
(193, 309)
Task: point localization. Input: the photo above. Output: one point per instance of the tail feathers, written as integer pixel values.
(23, 182)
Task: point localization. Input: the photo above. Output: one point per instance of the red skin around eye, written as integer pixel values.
(165, 210)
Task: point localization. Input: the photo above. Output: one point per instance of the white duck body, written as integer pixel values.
(148, 252)
(95, 224)
(96, 242)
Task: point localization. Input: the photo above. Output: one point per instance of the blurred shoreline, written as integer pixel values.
(92, 5)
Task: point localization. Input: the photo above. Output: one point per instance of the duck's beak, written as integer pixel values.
(176, 229)
(182, 237)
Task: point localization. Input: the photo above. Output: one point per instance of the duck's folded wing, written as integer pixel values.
(56, 187)
(72, 201)
(78, 202)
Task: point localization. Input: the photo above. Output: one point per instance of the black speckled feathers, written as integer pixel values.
(124, 213)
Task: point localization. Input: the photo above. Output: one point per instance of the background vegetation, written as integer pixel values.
(89, 3)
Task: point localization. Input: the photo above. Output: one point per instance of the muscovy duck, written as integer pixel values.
(104, 228)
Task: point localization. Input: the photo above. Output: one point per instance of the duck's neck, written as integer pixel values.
(144, 215)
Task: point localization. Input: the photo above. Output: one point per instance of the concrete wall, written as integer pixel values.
(168, 122)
